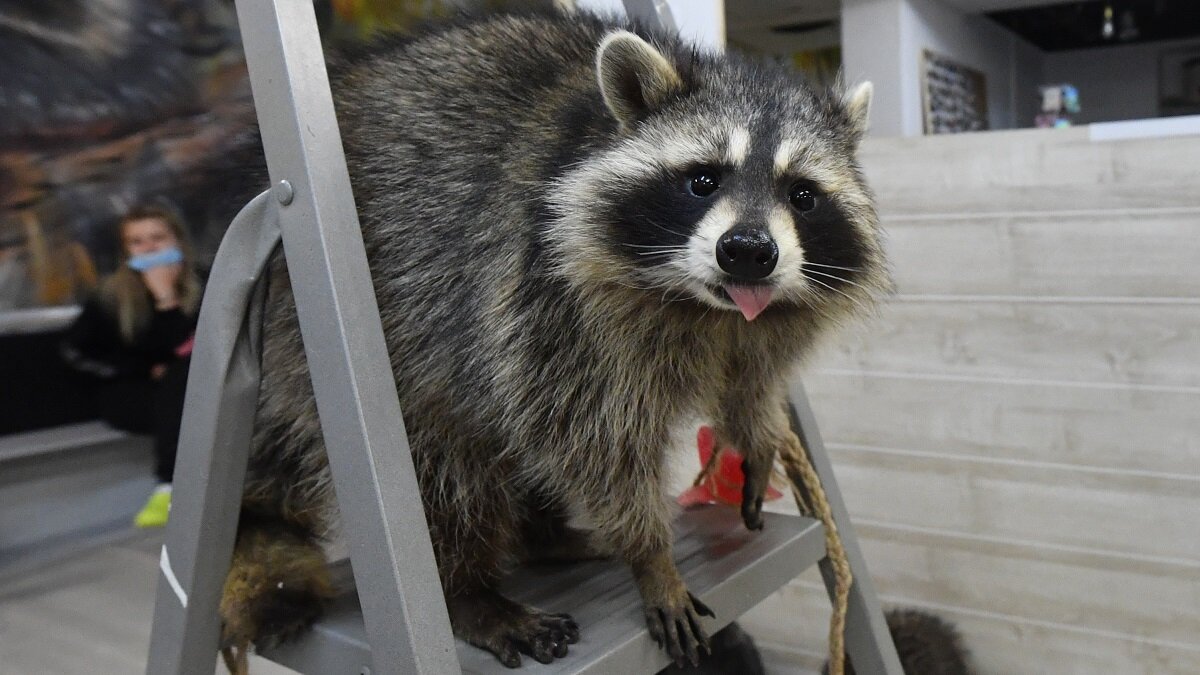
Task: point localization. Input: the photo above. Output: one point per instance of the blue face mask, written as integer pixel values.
(167, 256)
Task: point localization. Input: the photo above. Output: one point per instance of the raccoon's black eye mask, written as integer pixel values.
(703, 182)
(804, 196)
(827, 235)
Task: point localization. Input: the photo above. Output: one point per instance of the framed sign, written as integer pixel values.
(954, 96)
(1179, 82)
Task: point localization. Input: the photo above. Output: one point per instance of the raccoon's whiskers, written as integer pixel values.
(666, 286)
(834, 276)
(849, 297)
(657, 250)
(654, 253)
(663, 228)
(833, 267)
(652, 287)
(684, 294)
(653, 246)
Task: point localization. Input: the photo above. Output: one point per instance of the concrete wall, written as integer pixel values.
(1117, 83)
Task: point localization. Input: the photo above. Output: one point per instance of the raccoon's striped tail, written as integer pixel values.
(237, 660)
(278, 585)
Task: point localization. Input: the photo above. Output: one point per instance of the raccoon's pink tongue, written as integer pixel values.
(752, 300)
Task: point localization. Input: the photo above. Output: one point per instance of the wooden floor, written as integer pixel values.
(88, 614)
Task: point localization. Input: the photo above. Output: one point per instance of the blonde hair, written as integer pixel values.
(125, 292)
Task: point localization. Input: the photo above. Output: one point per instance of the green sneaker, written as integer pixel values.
(154, 513)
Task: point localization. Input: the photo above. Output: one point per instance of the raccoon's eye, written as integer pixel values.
(703, 182)
(802, 197)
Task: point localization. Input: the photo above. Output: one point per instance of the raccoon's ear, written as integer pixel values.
(858, 107)
(635, 78)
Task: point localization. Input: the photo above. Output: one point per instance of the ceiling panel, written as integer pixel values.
(1080, 25)
(754, 14)
(977, 6)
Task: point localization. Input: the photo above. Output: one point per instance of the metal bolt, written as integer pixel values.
(284, 192)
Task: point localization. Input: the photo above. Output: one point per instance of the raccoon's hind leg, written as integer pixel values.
(548, 538)
(476, 540)
(278, 582)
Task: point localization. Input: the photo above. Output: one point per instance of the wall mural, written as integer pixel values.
(104, 104)
(954, 96)
(109, 103)
(1179, 82)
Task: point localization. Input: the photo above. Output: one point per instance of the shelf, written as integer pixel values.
(728, 567)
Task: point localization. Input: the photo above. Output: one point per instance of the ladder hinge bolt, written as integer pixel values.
(284, 192)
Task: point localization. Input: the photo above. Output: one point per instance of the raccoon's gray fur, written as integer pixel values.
(544, 200)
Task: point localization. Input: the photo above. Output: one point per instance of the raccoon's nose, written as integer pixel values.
(747, 253)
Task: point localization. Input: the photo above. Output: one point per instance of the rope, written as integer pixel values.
(800, 470)
(811, 500)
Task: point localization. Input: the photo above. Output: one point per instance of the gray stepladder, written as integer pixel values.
(397, 622)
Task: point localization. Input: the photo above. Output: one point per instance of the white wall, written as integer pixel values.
(701, 21)
(1115, 83)
(871, 49)
(970, 39)
(883, 40)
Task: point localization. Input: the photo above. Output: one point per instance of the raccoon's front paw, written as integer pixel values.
(508, 629)
(753, 489)
(675, 625)
(751, 510)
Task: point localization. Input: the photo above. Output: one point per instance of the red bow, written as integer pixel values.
(724, 484)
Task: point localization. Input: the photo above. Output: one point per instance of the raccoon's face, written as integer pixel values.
(727, 184)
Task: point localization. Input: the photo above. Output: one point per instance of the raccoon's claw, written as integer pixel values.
(752, 512)
(543, 636)
(757, 475)
(563, 627)
(679, 630)
(560, 631)
(507, 629)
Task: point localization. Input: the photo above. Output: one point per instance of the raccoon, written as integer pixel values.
(582, 233)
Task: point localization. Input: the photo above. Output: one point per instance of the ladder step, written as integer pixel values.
(729, 568)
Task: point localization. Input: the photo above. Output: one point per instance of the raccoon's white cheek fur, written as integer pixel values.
(788, 271)
(701, 251)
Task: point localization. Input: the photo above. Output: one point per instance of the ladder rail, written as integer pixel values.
(373, 473)
(311, 208)
(214, 446)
